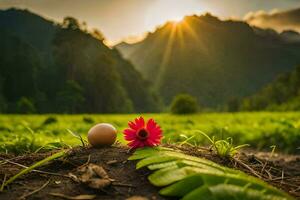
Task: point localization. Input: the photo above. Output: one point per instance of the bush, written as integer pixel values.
(25, 106)
(88, 120)
(50, 120)
(184, 104)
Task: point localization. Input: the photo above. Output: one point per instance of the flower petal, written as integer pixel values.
(136, 144)
(129, 134)
(133, 125)
(140, 122)
(151, 124)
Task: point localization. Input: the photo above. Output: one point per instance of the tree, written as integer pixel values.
(2, 99)
(3, 104)
(184, 104)
(98, 35)
(70, 98)
(233, 104)
(71, 23)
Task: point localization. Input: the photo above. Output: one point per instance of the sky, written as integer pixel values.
(120, 19)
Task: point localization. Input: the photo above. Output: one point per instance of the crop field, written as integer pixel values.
(33, 133)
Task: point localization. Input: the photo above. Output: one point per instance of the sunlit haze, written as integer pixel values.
(120, 19)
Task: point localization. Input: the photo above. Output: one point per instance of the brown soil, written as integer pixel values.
(279, 170)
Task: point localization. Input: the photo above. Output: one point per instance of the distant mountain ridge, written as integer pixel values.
(69, 69)
(211, 59)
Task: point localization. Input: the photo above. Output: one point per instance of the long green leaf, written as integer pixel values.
(229, 192)
(192, 177)
(183, 187)
(38, 164)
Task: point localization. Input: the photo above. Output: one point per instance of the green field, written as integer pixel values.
(27, 133)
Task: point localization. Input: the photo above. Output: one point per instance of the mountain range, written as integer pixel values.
(47, 66)
(50, 67)
(212, 59)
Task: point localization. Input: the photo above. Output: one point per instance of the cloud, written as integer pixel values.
(275, 19)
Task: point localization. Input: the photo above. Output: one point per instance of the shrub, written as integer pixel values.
(25, 106)
(88, 120)
(184, 104)
(50, 120)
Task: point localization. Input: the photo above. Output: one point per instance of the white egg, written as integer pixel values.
(102, 134)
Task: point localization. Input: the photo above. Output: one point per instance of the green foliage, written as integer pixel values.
(282, 94)
(184, 104)
(224, 148)
(62, 68)
(88, 120)
(191, 177)
(3, 104)
(50, 120)
(233, 105)
(25, 106)
(70, 99)
(259, 130)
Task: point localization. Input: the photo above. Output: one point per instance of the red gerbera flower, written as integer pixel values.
(140, 134)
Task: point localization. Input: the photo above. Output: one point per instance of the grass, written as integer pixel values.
(31, 133)
(223, 148)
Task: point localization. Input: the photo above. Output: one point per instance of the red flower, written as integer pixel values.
(140, 134)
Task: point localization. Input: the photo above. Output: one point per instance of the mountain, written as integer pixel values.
(279, 20)
(51, 67)
(282, 94)
(211, 59)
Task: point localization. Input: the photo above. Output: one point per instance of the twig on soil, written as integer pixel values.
(35, 170)
(34, 191)
(111, 162)
(282, 176)
(269, 174)
(3, 182)
(79, 197)
(86, 163)
(248, 167)
(295, 190)
(122, 184)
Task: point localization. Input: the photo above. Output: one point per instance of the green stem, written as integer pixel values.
(37, 164)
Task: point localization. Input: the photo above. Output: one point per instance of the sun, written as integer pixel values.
(176, 19)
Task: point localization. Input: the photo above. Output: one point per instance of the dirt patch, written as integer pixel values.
(280, 170)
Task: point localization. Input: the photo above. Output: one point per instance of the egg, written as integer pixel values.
(102, 134)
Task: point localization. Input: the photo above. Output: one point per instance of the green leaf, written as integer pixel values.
(154, 156)
(146, 152)
(163, 165)
(192, 177)
(200, 193)
(183, 187)
(170, 175)
(38, 164)
(154, 159)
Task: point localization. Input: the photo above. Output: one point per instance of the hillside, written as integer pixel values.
(282, 94)
(51, 67)
(211, 59)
